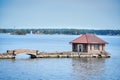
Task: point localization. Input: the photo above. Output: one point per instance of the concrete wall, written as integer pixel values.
(20, 51)
(75, 47)
(91, 48)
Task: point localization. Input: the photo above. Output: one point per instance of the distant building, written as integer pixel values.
(31, 32)
(88, 43)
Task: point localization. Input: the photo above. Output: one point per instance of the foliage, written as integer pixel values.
(60, 31)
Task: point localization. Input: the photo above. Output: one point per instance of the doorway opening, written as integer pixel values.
(80, 48)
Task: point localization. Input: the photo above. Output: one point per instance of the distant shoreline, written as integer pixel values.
(60, 31)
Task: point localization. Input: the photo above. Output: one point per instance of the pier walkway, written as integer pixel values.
(11, 54)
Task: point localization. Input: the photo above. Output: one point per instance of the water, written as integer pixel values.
(24, 68)
(40, 42)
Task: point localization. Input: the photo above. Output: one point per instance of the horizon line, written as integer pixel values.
(60, 28)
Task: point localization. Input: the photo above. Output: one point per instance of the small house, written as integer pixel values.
(88, 43)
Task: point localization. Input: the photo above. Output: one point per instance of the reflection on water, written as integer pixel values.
(36, 69)
(60, 69)
(88, 68)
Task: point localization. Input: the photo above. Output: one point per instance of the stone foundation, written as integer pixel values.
(60, 55)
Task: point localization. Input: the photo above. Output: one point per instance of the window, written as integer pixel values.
(96, 47)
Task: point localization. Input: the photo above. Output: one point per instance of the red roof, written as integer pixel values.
(89, 38)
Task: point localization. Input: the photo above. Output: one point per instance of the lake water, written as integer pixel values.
(57, 68)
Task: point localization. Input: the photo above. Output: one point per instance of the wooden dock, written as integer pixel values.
(10, 54)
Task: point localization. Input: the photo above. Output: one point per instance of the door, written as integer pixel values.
(80, 48)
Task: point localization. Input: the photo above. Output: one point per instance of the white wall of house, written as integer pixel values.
(96, 48)
(90, 48)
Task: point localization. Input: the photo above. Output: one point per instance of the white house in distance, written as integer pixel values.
(89, 43)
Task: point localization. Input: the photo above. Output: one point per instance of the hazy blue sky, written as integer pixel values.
(82, 14)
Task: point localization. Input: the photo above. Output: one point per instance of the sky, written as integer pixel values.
(78, 14)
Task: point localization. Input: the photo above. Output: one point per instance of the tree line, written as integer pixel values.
(60, 31)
